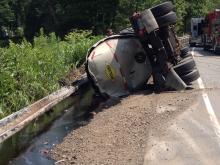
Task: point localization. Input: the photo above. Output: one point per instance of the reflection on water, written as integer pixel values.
(38, 152)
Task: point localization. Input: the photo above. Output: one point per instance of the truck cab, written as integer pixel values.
(196, 31)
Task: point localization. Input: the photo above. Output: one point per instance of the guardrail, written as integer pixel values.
(17, 130)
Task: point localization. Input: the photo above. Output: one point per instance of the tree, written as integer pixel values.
(19, 9)
(181, 8)
(7, 16)
(63, 16)
(40, 14)
(87, 14)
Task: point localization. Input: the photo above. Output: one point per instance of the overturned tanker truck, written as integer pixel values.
(122, 63)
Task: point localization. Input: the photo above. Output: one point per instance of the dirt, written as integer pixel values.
(74, 74)
(119, 132)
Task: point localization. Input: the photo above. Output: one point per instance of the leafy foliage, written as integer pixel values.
(97, 15)
(28, 73)
(6, 14)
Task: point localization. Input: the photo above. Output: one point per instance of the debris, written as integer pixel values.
(46, 143)
(63, 160)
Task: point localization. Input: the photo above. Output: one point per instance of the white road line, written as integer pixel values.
(208, 105)
(201, 84)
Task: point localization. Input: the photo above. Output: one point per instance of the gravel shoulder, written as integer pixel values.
(120, 131)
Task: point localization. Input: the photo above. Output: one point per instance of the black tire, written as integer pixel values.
(190, 77)
(185, 66)
(166, 20)
(186, 59)
(186, 55)
(217, 51)
(184, 51)
(206, 47)
(192, 44)
(162, 9)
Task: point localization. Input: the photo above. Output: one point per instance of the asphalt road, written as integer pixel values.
(194, 138)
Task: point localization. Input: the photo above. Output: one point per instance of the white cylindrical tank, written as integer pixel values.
(114, 68)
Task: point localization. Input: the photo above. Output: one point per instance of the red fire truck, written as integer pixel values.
(211, 31)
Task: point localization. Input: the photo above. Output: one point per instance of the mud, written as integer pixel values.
(120, 131)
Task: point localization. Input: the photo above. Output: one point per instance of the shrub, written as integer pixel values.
(29, 72)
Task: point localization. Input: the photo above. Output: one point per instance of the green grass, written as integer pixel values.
(29, 72)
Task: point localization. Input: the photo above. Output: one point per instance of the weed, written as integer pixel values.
(29, 72)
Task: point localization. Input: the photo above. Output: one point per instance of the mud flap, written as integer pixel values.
(174, 81)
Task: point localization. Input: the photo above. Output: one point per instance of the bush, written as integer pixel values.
(29, 72)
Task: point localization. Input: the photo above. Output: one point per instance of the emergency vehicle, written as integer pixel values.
(211, 31)
(196, 31)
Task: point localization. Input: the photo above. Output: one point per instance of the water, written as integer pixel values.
(38, 152)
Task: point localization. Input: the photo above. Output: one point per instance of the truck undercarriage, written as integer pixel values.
(122, 63)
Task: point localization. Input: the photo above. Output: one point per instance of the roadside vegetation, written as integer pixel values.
(29, 72)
